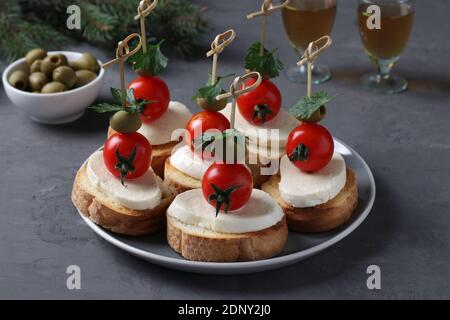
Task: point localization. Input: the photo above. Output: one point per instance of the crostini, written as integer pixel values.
(117, 188)
(314, 186)
(227, 220)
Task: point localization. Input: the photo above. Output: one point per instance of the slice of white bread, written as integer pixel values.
(323, 217)
(199, 244)
(160, 153)
(181, 182)
(111, 215)
(178, 180)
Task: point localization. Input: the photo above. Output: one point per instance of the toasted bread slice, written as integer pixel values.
(199, 244)
(178, 180)
(181, 182)
(323, 217)
(160, 152)
(111, 215)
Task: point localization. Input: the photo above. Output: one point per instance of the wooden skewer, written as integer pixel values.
(217, 46)
(313, 51)
(144, 9)
(123, 52)
(236, 90)
(266, 8)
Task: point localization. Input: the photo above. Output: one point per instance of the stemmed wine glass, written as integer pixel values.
(385, 43)
(306, 21)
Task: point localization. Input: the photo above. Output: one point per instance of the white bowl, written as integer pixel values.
(53, 108)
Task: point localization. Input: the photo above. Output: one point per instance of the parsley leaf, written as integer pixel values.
(210, 91)
(267, 64)
(306, 106)
(152, 62)
(132, 105)
(208, 138)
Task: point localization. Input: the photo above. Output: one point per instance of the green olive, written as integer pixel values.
(215, 106)
(36, 66)
(86, 62)
(65, 75)
(84, 77)
(35, 54)
(317, 116)
(37, 81)
(50, 63)
(53, 87)
(19, 80)
(125, 122)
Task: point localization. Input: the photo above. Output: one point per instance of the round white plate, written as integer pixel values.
(154, 248)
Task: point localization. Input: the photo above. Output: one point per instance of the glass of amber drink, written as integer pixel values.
(384, 39)
(306, 21)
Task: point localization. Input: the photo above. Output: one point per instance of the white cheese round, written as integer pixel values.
(301, 189)
(189, 162)
(139, 194)
(160, 131)
(261, 212)
(268, 139)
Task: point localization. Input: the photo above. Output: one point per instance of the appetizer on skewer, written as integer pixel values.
(116, 187)
(185, 167)
(315, 188)
(162, 116)
(259, 115)
(226, 219)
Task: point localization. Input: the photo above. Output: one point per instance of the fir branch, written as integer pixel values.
(103, 22)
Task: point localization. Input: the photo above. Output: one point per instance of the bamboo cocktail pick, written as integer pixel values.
(122, 54)
(266, 8)
(144, 9)
(313, 51)
(237, 88)
(217, 46)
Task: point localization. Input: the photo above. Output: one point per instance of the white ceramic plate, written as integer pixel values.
(154, 248)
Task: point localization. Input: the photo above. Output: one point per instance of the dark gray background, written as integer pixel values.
(404, 138)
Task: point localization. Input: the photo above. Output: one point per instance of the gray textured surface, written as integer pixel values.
(404, 138)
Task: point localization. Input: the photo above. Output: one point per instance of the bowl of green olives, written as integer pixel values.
(54, 87)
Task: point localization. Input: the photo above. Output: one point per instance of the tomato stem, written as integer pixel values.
(125, 165)
(222, 197)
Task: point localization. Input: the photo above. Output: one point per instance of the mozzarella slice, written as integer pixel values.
(139, 194)
(160, 131)
(189, 162)
(271, 137)
(259, 213)
(301, 189)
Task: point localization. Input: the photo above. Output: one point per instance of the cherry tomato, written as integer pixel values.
(310, 147)
(202, 122)
(227, 187)
(151, 89)
(127, 155)
(261, 104)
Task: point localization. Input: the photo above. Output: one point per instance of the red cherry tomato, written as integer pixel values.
(310, 147)
(151, 89)
(202, 122)
(261, 104)
(227, 187)
(118, 155)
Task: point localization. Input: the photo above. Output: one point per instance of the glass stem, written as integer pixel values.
(384, 67)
